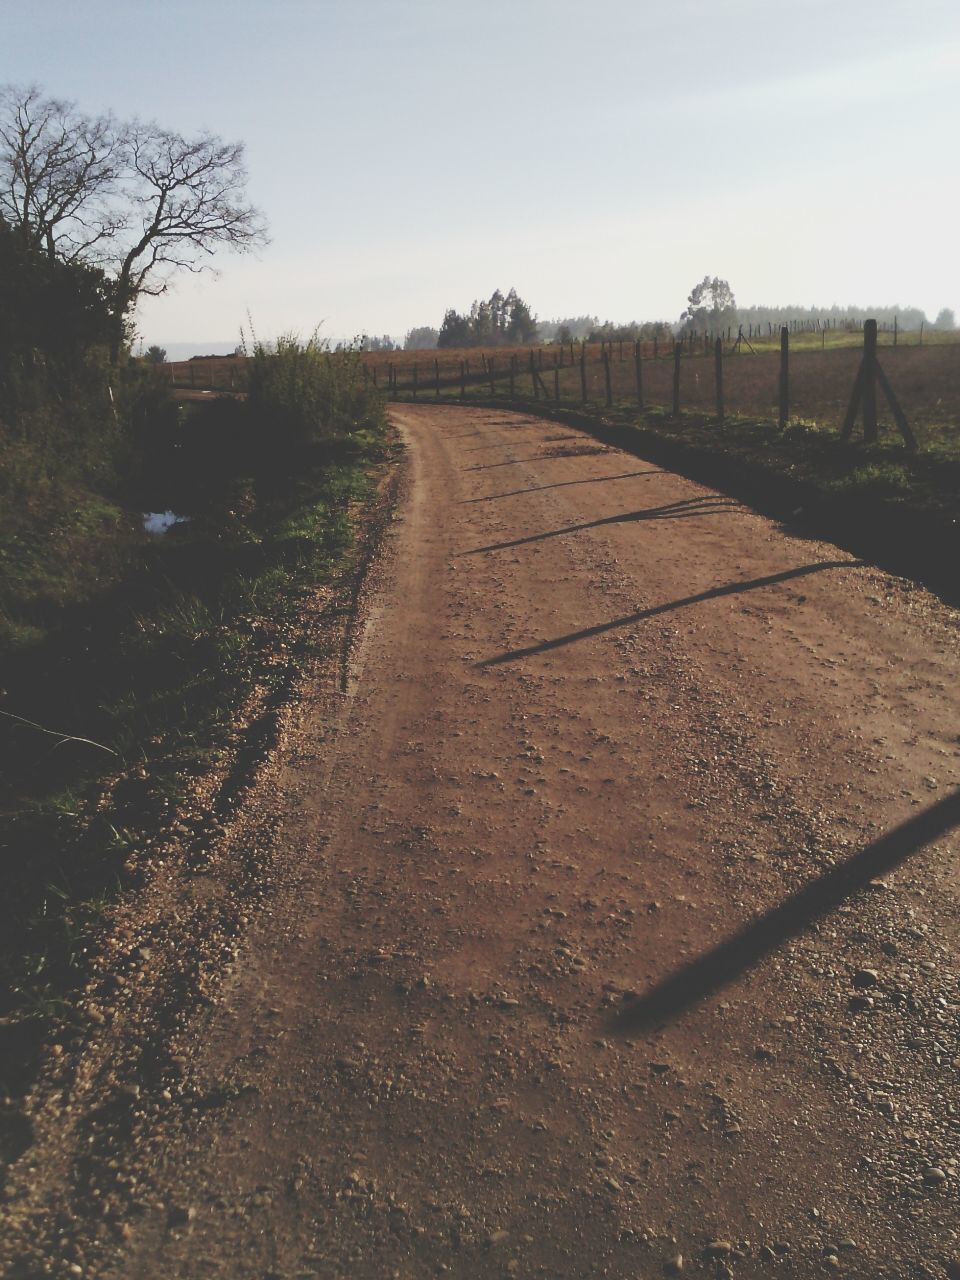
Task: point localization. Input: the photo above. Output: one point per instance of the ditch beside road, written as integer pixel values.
(595, 720)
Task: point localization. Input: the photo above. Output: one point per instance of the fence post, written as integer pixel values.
(784, 377)
(870, 431)
(638, 366)
(718, 369)
(676, 380)
(513, 371)
(656, 352)
(895, 327)
(533, 375)
(583, 371)
(606, 378)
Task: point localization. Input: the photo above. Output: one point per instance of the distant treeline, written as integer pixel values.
(505, 320)
(833, 317)
(499, 321)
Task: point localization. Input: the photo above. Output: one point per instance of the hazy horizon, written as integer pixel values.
(411, 158)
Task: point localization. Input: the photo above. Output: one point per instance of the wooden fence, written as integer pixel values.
(801, 373)
(709, 375)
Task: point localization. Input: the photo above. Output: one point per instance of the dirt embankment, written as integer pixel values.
(597, 720)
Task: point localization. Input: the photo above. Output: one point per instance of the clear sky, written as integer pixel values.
(415, 154)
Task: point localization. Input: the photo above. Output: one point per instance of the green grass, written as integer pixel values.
(159, 684)
(150, 647)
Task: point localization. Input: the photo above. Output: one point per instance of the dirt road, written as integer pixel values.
(597, 720)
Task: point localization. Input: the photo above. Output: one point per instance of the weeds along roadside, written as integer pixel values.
(152, 666)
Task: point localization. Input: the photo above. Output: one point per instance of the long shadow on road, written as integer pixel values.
(686, 509)
(730, 589)
(561, 484)
(488, 466)
(722, 964)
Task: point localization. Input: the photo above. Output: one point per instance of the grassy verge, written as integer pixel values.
(132, 688)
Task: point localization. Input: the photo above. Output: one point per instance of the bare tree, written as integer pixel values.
(138, 200)
(58, 175)
(187, 199)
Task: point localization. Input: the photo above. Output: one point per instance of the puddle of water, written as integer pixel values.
(161, 521)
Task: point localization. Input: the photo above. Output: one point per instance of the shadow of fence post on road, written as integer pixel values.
(724, 963)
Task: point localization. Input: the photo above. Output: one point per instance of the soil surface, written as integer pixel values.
(478, 1019)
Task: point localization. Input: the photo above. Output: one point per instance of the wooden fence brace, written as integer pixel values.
(606, 378)
(677, 353)
(784, 382)
(638, 367)
(898, 415)
(718, 374)
(583, 372)
(864, 395)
